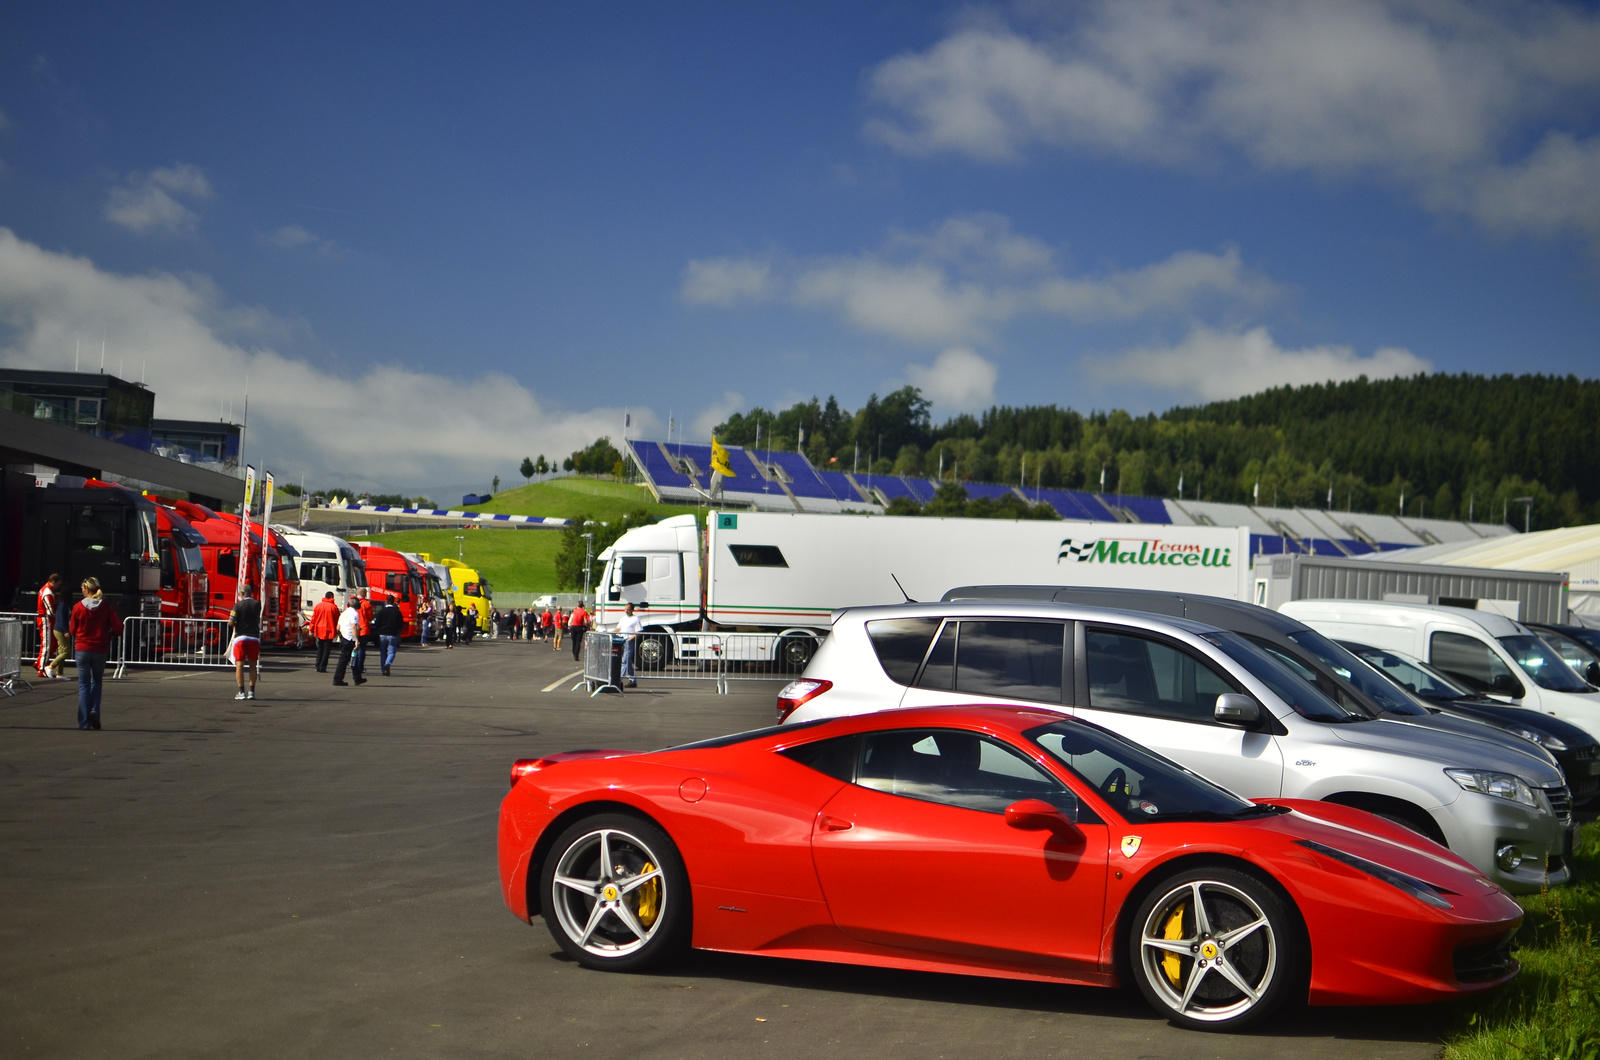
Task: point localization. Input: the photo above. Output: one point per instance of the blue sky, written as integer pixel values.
(439, 239)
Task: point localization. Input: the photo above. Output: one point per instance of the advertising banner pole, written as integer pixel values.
(244, 531)
(266, 518)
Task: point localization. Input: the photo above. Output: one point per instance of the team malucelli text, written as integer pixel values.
(1162, 553)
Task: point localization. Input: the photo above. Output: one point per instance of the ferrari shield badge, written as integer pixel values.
(1130, 845)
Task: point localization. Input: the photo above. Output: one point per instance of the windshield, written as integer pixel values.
(1415, 677)
(1287, 685)
(1541, 663)
(1375, 685)
(1138, 784)
(1573, 652)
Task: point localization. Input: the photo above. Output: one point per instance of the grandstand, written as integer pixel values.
(679, 473)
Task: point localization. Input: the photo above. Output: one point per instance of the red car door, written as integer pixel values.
(918, 855)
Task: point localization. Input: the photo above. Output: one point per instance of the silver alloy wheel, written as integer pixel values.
(609, 892)
(1223, 958)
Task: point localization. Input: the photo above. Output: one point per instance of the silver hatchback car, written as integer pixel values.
(1206, 699)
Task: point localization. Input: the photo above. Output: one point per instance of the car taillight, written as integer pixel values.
(797, 692)
(523, 767)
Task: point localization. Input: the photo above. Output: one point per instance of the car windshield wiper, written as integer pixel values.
(1257, 810)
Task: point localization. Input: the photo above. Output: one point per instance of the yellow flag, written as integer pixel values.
(719, 460)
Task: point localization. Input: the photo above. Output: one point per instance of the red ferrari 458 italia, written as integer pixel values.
(1000, 842)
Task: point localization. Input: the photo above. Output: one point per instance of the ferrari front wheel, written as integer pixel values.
(1215, 949)
(615, 894)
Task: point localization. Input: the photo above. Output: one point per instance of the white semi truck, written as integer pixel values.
(781, 575)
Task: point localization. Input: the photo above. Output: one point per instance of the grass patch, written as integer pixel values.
(1551, 1010)
(564, 498)
(521, 561)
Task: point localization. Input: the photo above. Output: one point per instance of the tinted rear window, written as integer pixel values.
(900, 644)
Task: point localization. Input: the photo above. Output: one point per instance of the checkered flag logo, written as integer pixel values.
(1077, 552)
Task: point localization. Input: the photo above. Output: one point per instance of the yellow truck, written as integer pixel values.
(469, 591)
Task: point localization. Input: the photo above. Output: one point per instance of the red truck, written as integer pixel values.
(391, 576)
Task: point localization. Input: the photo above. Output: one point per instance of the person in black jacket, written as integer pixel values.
(388, 625)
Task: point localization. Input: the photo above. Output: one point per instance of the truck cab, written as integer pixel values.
(656, 568)
(107, 532)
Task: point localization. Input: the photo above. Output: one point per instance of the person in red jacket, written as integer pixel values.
(49, 600)
(325, 628)
(94, 624)
(364, 637)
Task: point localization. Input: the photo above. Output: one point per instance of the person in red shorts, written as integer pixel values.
(245, 647)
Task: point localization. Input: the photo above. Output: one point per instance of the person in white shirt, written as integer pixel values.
(349, 631)
(629, 627)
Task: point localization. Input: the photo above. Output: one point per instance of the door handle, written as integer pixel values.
(835, 824)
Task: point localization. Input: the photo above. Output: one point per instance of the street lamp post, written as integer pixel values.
(1527, 511)
(588, 563)
(461, 547)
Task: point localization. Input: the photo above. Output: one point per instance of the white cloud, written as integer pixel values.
(717, 412)
(724, 281)
(1434, 94)
(363, 429)
(967, 275)
(293, 237)
(958, 381)
(149, 201)
(1216, 365)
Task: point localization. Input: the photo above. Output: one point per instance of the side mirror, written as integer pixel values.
(1036, 815)
(1507, 685)
(1237, 710)
(1592, 673)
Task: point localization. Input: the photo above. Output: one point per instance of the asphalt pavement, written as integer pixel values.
(312, 874)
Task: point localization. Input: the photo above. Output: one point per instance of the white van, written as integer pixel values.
(1489, 653)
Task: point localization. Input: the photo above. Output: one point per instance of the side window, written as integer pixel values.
(1471, 660)
(900, 644)
(169, 577)
(955, 768)
(227, 563)
(940, 672)
(94, 532)
(835, 758)
(1017, 660)
(1141, 676)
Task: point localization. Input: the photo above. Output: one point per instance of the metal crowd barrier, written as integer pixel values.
(171, 642)
(29, 623)
(11, 655)
(718, 657)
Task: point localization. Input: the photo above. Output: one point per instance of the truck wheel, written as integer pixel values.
(794, 651)
(655, 652)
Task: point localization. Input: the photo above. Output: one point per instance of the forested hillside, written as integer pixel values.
(1450, 446)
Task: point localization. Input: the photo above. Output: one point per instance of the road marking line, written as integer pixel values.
(551, 687)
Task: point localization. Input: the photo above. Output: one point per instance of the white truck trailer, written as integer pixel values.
(781, 574)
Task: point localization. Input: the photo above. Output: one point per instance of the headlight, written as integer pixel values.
(1421, 890)
(1549, 743)
(1500, 785)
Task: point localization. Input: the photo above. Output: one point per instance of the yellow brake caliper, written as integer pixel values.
(649, 898)
(1172, 930)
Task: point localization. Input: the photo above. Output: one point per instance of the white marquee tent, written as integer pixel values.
(1574, 550)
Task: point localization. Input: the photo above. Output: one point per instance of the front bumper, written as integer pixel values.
(1477, 825)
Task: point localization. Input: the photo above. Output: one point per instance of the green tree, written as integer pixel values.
(599, 458)
(527, 469)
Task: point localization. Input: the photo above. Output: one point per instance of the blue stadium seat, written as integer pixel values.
(657, 468)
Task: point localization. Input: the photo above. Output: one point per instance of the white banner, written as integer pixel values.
(266, 535)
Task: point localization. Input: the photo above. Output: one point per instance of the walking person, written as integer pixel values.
(325, 628)
(245, 648)
(61, 631)
(349, 634)
(388, 624)
(94, 623)
(49, 600)
(558, 622)
(447, 625)
(364, 635)
(629, 628)
(547, 624)
(424, 620)
(577, 624)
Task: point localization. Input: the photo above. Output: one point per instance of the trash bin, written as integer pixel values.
(614, 661)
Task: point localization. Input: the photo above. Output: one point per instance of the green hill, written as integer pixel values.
(514, 560)
(525, 560)
(565, 498)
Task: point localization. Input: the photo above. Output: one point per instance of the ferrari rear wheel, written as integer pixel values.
(615, 894)
(1215, 949)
